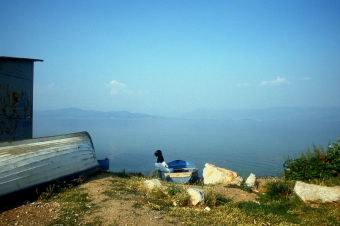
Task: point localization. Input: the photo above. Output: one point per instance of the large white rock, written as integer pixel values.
(215, 175)
(237, 181)
(154, 183)
(251, 180)
(311, 193)
(196, 195)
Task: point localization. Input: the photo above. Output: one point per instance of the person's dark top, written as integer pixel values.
(159, 156)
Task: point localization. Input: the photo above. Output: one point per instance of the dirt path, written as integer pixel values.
(36, 213)
(119, 208)
(123, 212)
(118, 211)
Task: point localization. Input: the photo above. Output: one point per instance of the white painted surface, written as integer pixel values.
(34, 161)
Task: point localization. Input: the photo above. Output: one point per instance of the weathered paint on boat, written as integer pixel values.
(184, 172)
(31, 162)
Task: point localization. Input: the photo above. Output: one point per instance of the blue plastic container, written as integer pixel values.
(104, 164)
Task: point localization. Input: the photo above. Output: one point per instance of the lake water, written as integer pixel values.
(244, 146)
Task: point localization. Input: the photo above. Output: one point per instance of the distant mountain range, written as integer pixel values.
(278, 113)
(79, 113)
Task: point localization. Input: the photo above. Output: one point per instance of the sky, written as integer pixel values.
(157, 57)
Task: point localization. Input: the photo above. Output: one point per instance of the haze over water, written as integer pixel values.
(245, 146)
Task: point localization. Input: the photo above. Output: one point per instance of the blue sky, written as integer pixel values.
(176, 56)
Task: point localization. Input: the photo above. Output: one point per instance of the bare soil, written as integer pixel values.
(113, 211)
(36, 213)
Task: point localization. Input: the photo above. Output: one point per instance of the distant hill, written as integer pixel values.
(79, 113)
(277, 113)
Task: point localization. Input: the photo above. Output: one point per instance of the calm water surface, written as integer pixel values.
(244, 146)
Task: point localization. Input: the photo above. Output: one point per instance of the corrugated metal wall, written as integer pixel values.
(16, 98)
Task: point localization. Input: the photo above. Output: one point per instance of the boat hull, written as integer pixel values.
(184, 172)
(32, 162)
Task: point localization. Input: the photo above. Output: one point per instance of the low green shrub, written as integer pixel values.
(200, 182)
(182, 198)
(278, 189)
(210, 197)
(315, 166)
(172, 190)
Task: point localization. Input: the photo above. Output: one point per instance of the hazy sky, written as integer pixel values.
(166, 56)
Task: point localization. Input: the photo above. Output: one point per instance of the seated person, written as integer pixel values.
(160, 164)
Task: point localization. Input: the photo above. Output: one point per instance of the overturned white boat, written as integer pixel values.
(32, 162)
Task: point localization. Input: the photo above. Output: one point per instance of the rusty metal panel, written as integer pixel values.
(15, 129)
(16, 99)
(17, 68)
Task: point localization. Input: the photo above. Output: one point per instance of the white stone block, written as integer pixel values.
(153, 183)
(311, 193)
(196, 195)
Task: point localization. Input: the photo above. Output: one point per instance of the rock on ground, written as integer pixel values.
(196, 195)
(237, 181)
(251, 180)
(215, 175)
(154, 183)
(311, 193)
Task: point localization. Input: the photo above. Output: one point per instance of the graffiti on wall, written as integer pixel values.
(15, 119)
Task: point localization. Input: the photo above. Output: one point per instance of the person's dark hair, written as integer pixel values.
(158, 152)
(159, 156)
